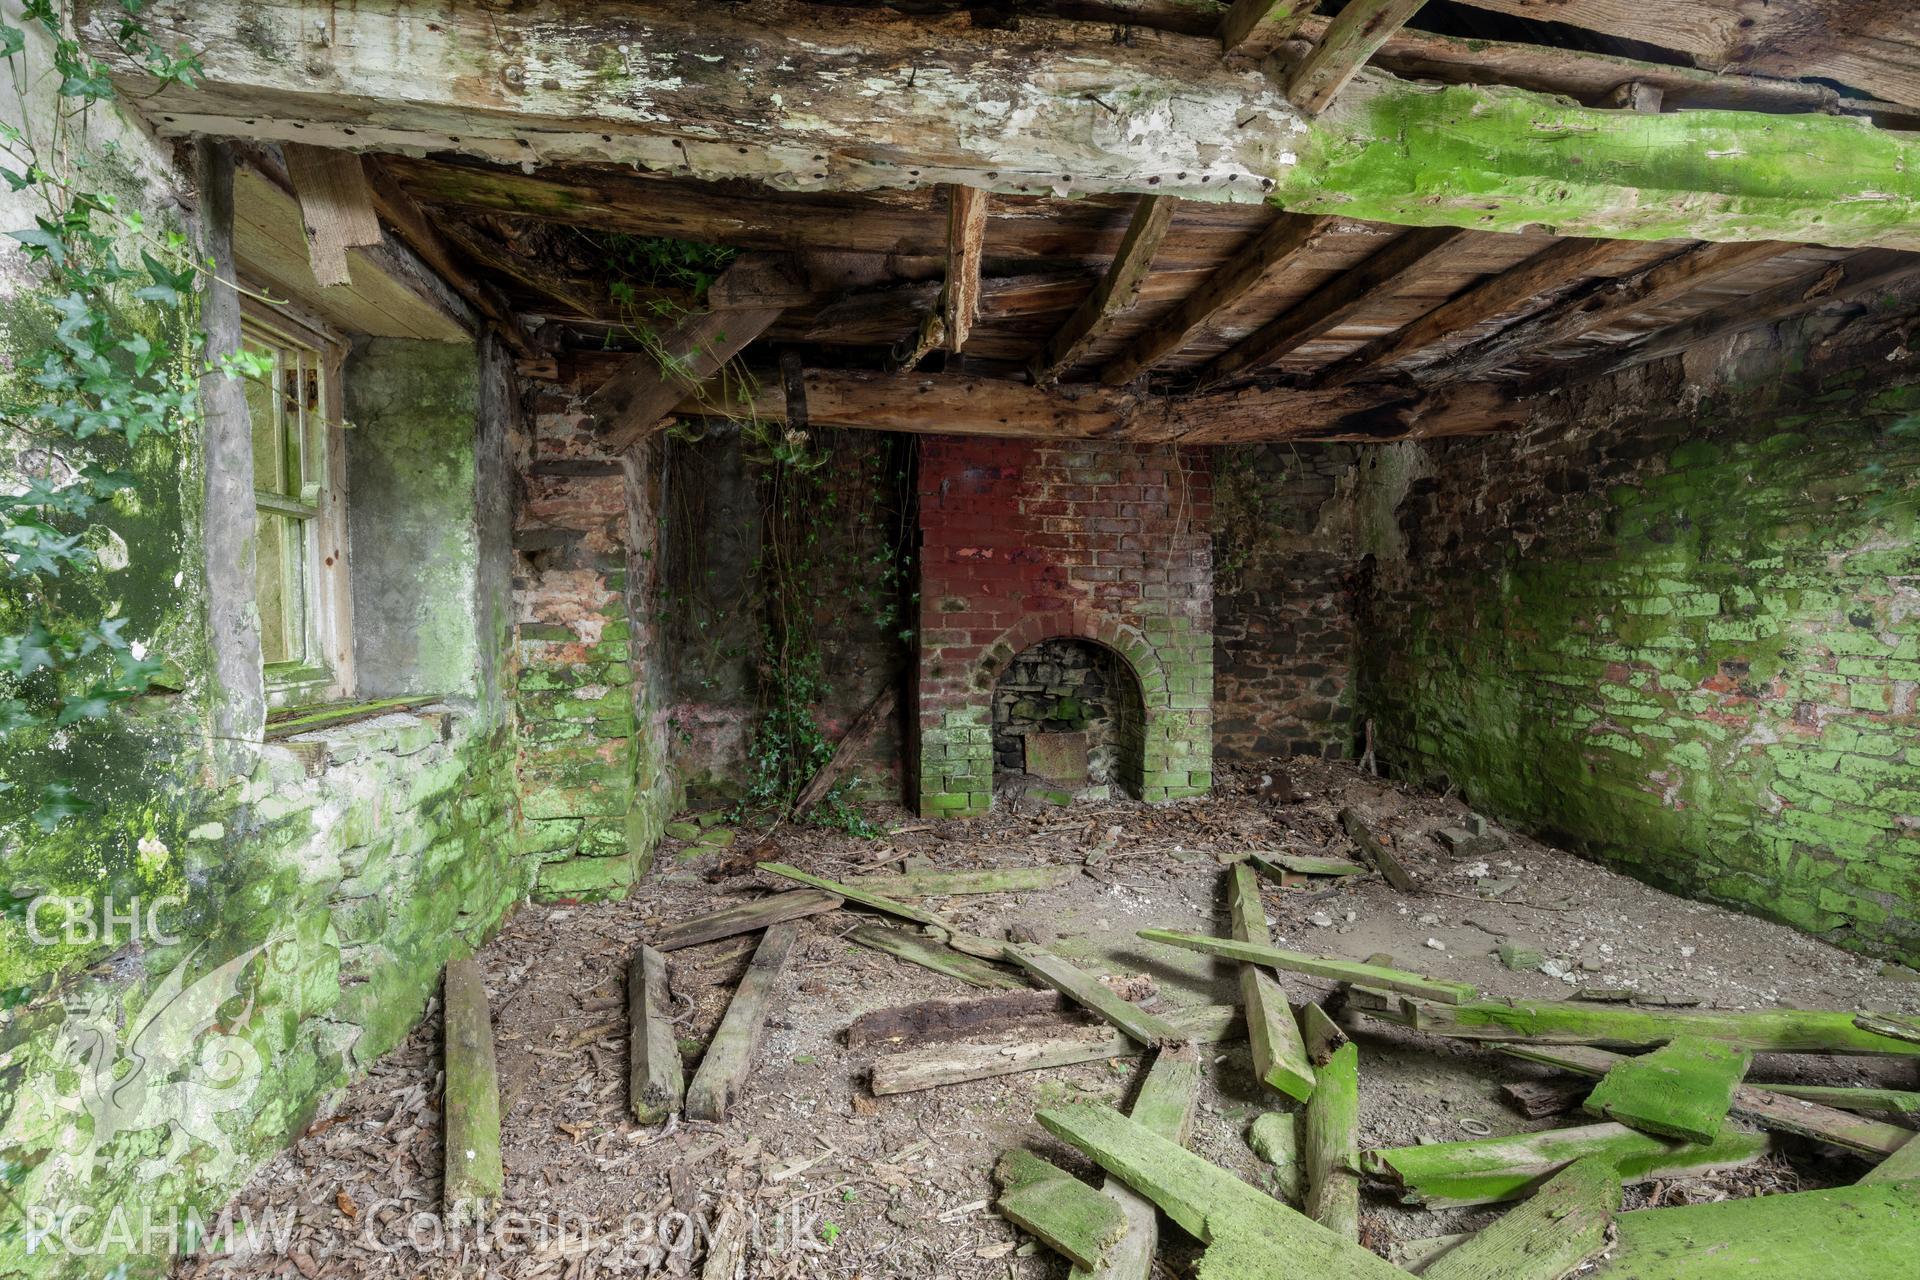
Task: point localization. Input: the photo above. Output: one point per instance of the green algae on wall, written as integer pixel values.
(1690, 647)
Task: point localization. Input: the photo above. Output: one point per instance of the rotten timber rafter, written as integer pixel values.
(697, 93)
(1115, 295)
(1343, 48)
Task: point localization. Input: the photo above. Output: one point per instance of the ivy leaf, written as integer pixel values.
(46, 242)
(21, 656)
(141, 350)
(12, 40)
(57, 804)
(93, 705)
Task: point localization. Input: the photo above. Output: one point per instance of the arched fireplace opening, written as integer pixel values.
(1069, 723)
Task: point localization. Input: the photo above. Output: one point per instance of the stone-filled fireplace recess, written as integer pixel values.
(1063, 688)
(1025, 541)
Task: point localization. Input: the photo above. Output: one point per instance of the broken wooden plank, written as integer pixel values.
(1115, 295)
(1255, 27)
(1056, 1208)
(934, 884)
(1251, 1235)
(746, 917)
(336, 206)
(1560, 1226)
(1765, 1105)
(1616, 1026)
(1279, 1055)
(1272, 252)
(1859, 1098)
(1893, 1025)
(1333, 303)
(935, 1020)
(1333, 1127)
(656, 1078)
(1683, 1089)
(1377, 852)
(1084, 987)
(952, 1064)
(1445, 1175)
(1278, 865)
(1857, 1231)
(729, 1057)
(866, 898)
(1538, 1099)
(1369, 975)
(936, 956)
(1359, 29)
(966, 242)
(727, 1246)
(1164, 1105)
(474, 1179)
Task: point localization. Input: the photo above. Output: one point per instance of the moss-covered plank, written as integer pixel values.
(951, 1064)
(728, 1061)
(1683, 1089)
(746, 917)
(938, 957)
(1623, 1027)
(1087, 990)
(1869, 1231)
(1056, 1208)
(1488, 1170)
(1333, 1127)
(1279, 1054)
(656, 1078)
(915, 884)
(474, 1177)
(1902, 1165)
(678, 86)
(1369, 975)
(1277, 865)
(1164, 1106)
(1251, 1235)
(1560, 1226)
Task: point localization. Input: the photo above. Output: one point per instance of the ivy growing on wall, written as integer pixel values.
(76, 404)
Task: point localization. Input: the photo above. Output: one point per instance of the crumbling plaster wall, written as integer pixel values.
(1676, 625)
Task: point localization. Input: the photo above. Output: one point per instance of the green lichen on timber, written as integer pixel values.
(1500, 160)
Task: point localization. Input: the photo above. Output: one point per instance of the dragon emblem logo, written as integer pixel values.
(177, 1063)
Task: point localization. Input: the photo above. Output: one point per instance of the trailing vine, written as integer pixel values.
(79, 404)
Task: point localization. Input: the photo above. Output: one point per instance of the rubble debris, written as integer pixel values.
(1770, 1106)
(938, 957)
(1683, 1089)
(656, 1078)
(474, 1178)
(1333, 1127)
(1058, 1209)
(1071, 980)
(918, 884)
(1554, 1231)
(1377, 976)
(1630, 1027)
(1447, 1175)
(1538, 1099)
(747, 917)
(927, 1068)
(1249, 1234)
(934, 1020)
(1377, 853)
(1279, 1055)
(1520, 959)
(729, 1057)
(1462, 843)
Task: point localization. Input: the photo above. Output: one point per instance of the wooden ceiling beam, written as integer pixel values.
(1327, 307)
(1255, 27)
(966, 245)
(1509, 293)
(1604, 303)
(411, 225)
(1271, 252)
(690, 86)
(1115, 295)
(1343, 48)
(957, 404)
(1864, 274)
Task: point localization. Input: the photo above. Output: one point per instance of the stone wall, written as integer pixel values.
(1680, 630)
(1023, 541)
(590, 738)
(1286, 553)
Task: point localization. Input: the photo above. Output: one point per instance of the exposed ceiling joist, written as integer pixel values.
(1508, 294)
(966, 242)
(1869, 44)
(1254, 27)
(1328, 306)
(1604, 304)
(1116, 293)
(1343, 48)
(1271, 252)
(335, 206)
(417, 231)
(696, 92)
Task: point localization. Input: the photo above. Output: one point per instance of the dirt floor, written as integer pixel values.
(846, 1185)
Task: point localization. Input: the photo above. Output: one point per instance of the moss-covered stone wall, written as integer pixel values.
(1677, 625)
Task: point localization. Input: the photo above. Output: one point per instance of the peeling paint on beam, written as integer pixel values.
(805, 99)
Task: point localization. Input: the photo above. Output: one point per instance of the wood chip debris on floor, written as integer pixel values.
(1516, 1064)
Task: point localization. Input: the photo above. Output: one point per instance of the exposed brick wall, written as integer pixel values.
(1686, 642)
(589, 735)
(1285, 569)
(1022, 541)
